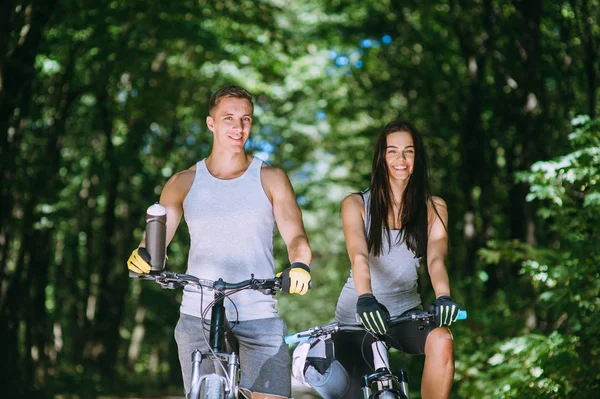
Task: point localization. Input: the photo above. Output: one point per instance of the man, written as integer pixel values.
(231, 202)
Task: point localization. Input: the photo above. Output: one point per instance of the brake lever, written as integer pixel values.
(166, 283)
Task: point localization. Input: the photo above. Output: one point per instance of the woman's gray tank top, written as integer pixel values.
(231, 226)
(394, 278)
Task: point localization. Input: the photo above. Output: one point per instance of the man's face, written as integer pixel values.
(231, 122)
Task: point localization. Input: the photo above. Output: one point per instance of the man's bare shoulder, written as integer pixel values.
(271, 173)
(180, 183)
(275, 183)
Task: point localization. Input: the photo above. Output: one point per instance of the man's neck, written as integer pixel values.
(227, 165)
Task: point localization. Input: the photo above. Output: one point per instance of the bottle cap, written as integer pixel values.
(156, 210)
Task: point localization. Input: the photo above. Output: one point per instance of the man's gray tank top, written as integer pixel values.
(393, 278)
(231, 227)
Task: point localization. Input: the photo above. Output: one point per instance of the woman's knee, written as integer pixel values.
(440, 344)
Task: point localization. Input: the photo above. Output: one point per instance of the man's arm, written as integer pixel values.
(287, 214)
(171, 198)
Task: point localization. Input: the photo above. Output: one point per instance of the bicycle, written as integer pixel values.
(389, 385)
(223, 345)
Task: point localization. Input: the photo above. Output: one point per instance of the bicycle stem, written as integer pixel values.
(217, 327)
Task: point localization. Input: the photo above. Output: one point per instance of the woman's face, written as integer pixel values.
(400, 156)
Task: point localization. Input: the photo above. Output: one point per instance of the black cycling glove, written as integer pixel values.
(373, 315)
(445, 311)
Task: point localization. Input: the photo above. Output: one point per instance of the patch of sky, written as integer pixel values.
(366, 43)
(288, 164)
(302, 200)
(321, 115)
(263, 156)
(386, 39)
(332, 54)
(50, 66)
(358, 64)
(303, 174)
(278, 92)
(263, 145)
(342, 61)
(122, 96)
(277, 140)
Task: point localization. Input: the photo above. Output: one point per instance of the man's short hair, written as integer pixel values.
(229, 91)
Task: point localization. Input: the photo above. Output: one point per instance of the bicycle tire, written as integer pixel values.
(212, 387)
(389, 395)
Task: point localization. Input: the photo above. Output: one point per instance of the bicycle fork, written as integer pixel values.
(383, 374)
(220, 359)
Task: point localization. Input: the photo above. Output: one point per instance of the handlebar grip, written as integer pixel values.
(285, 282)
(462, 315)
(294, 338)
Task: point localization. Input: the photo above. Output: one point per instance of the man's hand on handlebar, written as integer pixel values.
(139, 261)
(295, 279)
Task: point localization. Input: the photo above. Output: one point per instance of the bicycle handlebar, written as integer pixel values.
(334, 327)
(171, 280)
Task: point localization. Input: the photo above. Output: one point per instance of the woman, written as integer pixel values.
(388, 228)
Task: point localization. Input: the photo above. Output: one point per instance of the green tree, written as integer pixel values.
(555, 354)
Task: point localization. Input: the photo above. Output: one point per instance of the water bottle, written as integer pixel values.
(156, 236)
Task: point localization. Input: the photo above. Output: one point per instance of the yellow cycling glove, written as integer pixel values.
(295, 279)
(139, 261)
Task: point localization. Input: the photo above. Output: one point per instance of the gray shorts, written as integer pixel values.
(264, 356)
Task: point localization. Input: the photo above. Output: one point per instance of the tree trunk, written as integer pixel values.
(17, 74)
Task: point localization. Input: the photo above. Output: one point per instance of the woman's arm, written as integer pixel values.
(437, 246)
(356, 242)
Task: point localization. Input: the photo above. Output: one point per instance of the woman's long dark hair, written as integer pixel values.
(413, 216)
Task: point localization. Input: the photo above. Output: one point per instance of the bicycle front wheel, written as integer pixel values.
(213, 387)
(390, 395)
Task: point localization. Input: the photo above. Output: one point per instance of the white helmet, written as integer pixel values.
(314, 365)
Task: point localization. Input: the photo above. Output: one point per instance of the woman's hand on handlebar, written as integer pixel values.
(445, 311)
(373, 315)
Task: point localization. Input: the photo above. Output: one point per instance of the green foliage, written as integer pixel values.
(528, 366)
(101, 102)
(556, 354)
